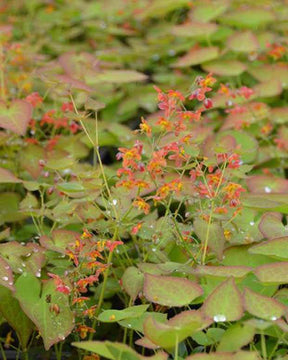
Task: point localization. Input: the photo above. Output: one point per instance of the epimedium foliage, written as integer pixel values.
(178, 248)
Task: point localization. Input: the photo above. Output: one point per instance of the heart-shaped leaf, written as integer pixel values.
(176, 329)
(271, 226)
(6, 275)
(117, 315)
(274, 273)
(132, 281)
(223, 271)
(224, 303)
(15, 117)
(266, 201)
(216, 238)
(268, 72)
(59, 240)
(136, 323)
(12, 312)
(36, 303)
(240, 355)
(114, 77)
(249, 18)
(244, 41)
(7, 177)
(170, 291)
(224, 67)
(194, 29)
(277, 248)
(237, 336)
(197, 56)
(205, 12)
(116, 351)
(267, 184)
(263, 307)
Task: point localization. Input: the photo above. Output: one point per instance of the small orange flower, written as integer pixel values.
(145, 127)
(142, 205)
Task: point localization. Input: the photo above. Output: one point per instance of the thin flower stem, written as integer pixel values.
(203, 259)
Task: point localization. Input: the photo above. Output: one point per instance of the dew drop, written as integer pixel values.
(267, 189)
(114, 202)
(129, 325)
(219, 318)
(27, 255)
(153, 249)
(7, 267)
(61, 337)
(252, 223)
(23, 243)
(23, 264)
(38, 273)
(35, 250)
(5, 278)
(273, 318)
(20, 270)
(10, 283)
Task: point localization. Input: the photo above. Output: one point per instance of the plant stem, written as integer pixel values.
(2, 352)
(263, 346)
(176, 348)
(207, 236)
(101, 297)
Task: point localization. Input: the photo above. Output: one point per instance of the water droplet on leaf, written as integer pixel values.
(219, 318)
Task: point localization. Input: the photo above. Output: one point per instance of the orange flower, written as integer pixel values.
(142, 205)
(145, 128)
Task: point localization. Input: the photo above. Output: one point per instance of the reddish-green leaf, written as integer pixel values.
(194, 29)
(248, 18)
(274, 273)
(15, 117)
(6, 176)
(268, 72)
(117, 315)
(59, 240)
(240, 355)
(243, 42)
(53, 327)
(267, 184)
(114, 77)
(271, 226)
(6, 274)
(170, 291)
(277, 248)
(197, 56)
(263, 307)
(224, 67)
(223, 271)
(224, 303)
(215, 233)
(132, 281)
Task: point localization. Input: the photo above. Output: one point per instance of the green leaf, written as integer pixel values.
(36, 303)
(136, 324)
(210, 337)
(176, 329)
(263, 307)
(114, 77)
(29, 159)
(275, 273)
(194, 29)
(268, 72)
(267, 184)
(116, 351)
(266, 89)
(158, 8)
(205, 12)
(197, 56)
(170, 291)
(236, 337)
(240, 255)
(12, 312)
(277, 248)
(132, 281)
(117, 315)
(9, 206)
(71, 187)
(224, 303)
(266, 202)
(224, 67)
(248, 18)
(216, 238)
(15, 117)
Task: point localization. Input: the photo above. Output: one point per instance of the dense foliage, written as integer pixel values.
(143, 179)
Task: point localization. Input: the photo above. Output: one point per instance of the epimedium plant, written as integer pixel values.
(179, 248)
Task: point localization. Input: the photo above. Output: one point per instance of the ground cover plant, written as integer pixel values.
(143, 175)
